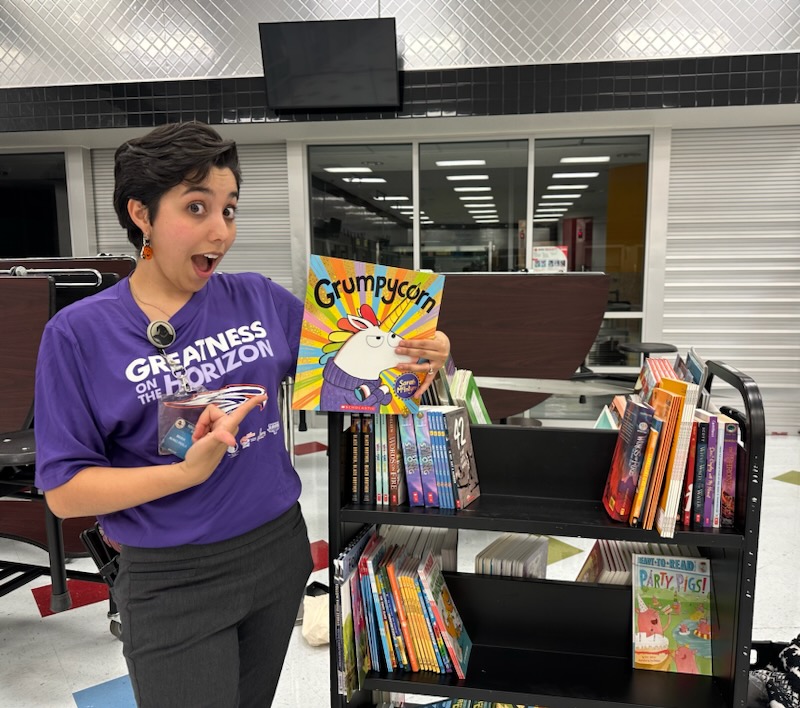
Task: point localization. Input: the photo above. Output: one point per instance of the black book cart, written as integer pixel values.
(562, 644)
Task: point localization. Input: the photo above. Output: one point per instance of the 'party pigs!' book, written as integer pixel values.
(671, 614)
(355, 316)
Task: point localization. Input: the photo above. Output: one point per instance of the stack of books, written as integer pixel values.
(422, 459)
(611, 561)
(676, 455)
(393, 609)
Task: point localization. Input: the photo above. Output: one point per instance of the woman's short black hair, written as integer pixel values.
(146, 168)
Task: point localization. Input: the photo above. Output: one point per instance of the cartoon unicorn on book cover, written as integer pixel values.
(356, 314)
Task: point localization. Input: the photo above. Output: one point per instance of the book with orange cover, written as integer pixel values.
(672, 493)
(669, 415)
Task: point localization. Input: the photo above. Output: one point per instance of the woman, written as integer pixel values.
(156, 410)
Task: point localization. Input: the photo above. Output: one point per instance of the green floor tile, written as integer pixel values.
(792, 477)
(557, 550)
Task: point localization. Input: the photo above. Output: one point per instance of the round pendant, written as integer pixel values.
(161, 334)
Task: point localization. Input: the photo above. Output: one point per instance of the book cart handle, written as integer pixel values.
(750, 479)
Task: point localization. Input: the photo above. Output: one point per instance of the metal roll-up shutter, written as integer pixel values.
(732, 271)
(111, 237)
(262, 241)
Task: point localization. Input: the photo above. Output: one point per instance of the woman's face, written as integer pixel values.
(193, 229)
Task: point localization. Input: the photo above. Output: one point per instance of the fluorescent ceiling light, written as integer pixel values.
(348, 169)
(552, 204)
(467, 178)
(472, 189)
(460, 163)
(568, 186)
(574, 175)
(560, 196)
(553, 211)
(364, 180)
(401, 206)
(479, 205)
(548, 219)
(487, 221)
(579, 160)
(391, 199)
(474, 198)
(483, 211)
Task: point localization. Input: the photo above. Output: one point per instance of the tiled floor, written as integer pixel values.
(71, 659)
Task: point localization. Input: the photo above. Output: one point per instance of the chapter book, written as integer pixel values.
(461, 457)
(671, 614)
(626, 463)
(355, 316)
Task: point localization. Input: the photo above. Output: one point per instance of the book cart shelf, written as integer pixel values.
(561, 644)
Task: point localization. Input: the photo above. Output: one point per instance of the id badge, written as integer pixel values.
(176, 424)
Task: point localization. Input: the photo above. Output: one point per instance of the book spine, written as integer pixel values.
(368, 456)
(395, 630)
(718, 475)
(440, 627)
(370, 615)
(701, 462)
(430, 623)
(688, 477)
(730, 451)
(643, 485)
(355, 457)
(626, 464)
(711, 474)
(382, 621)
(402, 615)
(411, 459)
(384, 460)
(430, 494)
(392, 457)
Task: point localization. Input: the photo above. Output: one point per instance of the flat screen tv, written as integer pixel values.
(330, 64)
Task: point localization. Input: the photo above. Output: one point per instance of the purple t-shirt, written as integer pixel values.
(98, 384)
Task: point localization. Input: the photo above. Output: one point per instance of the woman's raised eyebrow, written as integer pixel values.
(206, 190)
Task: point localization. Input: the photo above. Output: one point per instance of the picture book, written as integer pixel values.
(350, 631)
(627, 460)
(671, 614)
(355, 316)
(448, 620)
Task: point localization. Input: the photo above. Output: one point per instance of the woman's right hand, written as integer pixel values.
(214, 433)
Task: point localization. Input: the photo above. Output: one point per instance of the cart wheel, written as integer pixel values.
(115, 628)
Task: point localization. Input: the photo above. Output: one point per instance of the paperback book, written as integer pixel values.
(355, 316)
(671, 614)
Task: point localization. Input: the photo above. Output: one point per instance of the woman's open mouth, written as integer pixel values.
(204, 263)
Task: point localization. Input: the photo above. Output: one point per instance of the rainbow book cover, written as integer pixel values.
(355, 316)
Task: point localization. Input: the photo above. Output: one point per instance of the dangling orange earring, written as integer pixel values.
(147, 250)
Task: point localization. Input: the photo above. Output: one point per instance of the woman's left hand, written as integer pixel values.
(434, 351)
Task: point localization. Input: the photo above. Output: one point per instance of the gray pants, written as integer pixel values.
(209, 625)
